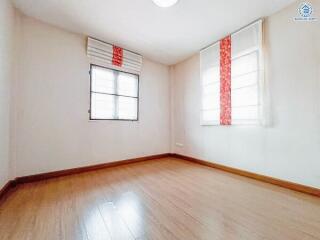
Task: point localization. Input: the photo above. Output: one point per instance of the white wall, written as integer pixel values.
(289, 149)
(7, 32)
(50, 129)
(52, 100)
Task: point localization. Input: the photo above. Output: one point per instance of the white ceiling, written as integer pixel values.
(166, 35)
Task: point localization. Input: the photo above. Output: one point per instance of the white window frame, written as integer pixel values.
(116, 116)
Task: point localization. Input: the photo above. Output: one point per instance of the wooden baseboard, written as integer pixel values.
(61, 173)
(6, 188)
(43, 176)
(282, 183)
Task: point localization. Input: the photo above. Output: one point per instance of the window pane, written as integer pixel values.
(245, 113)
(245, 96)
(103, 80)
(211, 89)
(210, 57)
(211, 115)
(102, 106)
(211, 75)
(128, 85)
(244, 80)
(245, 64)
(127, 108)
(211, 102)
(211, 96)
(246, 39)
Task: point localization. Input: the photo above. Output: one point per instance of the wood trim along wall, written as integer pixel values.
(6, 188)
(282, 183)
(43, 176)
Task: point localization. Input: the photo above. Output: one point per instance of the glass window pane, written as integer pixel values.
(245, 113)
(128, 85)
(245, 96)
(103, 80)
(102, 106)
(244, 80)
(211, 96)
(245, 64)
(246, 39)
(211, 115)
(211, 102)
(211, 89)
(127, 108)
(211, 75)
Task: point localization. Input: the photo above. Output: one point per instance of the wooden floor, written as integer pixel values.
(158, 199)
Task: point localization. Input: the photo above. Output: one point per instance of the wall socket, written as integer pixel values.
(179, 144)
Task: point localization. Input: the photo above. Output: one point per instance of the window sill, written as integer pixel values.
(249, 124)
(113, 120)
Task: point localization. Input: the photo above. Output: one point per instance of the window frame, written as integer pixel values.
(117, 95)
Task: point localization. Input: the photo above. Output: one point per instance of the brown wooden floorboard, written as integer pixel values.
(158, 199)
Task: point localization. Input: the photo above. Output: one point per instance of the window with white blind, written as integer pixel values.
(114, 94)
(246, 78)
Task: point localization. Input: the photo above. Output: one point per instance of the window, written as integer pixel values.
(246, 78)
(114, 94)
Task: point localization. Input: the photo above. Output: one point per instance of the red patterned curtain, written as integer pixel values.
(117, 58)
(225, 81)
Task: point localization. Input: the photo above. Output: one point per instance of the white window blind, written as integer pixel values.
(246, 78)
(210, 76)
(114, 94)
(101, 53)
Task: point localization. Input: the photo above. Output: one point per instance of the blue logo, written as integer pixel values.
(305, 11)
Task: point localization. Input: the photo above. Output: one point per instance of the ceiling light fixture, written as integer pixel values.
(165, 3)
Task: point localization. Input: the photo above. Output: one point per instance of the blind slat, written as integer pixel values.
(103, 53)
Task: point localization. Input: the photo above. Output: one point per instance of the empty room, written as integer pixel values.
(159, 120)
